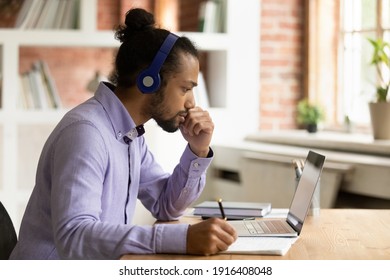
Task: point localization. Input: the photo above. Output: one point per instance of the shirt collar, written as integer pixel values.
(121, 121)
(135, 132)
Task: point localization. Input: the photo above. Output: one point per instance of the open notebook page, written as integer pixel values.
(261, 245)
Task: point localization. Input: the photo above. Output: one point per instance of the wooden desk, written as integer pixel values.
(337, 234)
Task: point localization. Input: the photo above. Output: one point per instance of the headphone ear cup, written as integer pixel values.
(148, 82)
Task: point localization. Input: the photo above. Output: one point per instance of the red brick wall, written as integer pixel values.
(188, 15)
(8, 11)
(281, 62)
(112, 12)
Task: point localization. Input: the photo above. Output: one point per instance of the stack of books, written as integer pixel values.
(48, 14)
(38, 89)
(233, 210)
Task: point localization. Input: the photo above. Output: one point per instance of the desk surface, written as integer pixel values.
(336, 234)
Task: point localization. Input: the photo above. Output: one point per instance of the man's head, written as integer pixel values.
(141, 43)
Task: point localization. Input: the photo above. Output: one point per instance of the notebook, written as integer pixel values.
(234, 210)
(261, 246)
(292, 225)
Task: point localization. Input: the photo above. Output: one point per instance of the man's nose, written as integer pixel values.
(190, 102)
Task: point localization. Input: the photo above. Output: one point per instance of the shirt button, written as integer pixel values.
(119, 134)
(196, 164)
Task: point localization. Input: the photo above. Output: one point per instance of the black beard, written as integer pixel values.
(167, 125)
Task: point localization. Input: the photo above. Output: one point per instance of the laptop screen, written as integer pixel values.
(305, 190)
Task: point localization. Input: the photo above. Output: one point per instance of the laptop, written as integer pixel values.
(292, 225)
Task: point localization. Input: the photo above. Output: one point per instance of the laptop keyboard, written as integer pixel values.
(266, 226)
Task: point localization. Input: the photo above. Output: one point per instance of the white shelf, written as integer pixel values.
(233, 84)
(58, 38)
(48, 116)
(328, 140)
(209, 42)
(79, 38)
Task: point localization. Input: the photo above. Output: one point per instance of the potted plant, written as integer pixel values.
(380, 106)
(309, 115)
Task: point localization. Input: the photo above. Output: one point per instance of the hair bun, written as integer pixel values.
(139, 19)
(136, 20)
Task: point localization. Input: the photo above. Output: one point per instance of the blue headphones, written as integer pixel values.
(148, 81)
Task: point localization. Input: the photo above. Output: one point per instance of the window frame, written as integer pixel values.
(323, 69)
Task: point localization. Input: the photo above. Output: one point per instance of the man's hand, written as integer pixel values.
(210, 237)
(197, 130)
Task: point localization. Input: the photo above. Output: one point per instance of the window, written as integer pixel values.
(361, 19)
(339, 75)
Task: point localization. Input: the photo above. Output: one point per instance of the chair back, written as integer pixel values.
(8, 236)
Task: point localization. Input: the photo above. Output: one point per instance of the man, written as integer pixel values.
(96, 164)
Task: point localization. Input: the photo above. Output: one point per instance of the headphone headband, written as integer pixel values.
(148, 81)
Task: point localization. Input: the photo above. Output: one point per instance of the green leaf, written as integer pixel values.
(380, 59)
(308, 113)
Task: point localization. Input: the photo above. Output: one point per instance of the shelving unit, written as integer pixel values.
(232, 77)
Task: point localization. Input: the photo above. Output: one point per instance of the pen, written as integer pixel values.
(221, 208)
(298, 168)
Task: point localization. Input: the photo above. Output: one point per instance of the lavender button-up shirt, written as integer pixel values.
(88, 180)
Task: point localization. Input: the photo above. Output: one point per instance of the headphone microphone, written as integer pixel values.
(148, 81)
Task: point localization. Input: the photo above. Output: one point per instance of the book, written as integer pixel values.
(35, 14)
(39, 86)
(233, 209)
(46, 21)
(202, 11)
(50, 85)
(59, 14)
(69, 17)
(39, 24)
(38, 89)
(25, 13)
(210, 18)
(48, 14)
(33, 89)
(209, 12)
(25, 97)
(1, 82)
